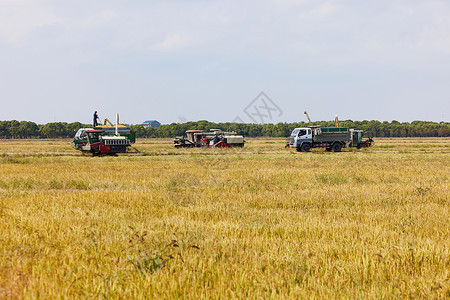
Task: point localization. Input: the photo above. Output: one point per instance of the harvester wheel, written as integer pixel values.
(306, 147)
(298, 149)
(337, 147)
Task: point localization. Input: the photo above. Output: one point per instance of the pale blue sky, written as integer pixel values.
(189, 60)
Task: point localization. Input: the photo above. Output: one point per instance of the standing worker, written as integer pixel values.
(95, 119)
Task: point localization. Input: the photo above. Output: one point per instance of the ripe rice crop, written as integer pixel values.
(256, 222)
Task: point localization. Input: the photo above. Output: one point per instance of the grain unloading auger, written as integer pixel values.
(104, 139)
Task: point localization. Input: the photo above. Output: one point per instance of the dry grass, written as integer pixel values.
(261, 222)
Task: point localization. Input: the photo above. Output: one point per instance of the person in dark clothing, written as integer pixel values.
(95, 119)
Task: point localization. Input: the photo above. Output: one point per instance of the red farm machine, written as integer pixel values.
(215, 138)
(104, 139)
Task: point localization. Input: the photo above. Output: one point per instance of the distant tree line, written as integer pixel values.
(26, 129)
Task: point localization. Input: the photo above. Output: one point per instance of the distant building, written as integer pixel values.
(151, 123)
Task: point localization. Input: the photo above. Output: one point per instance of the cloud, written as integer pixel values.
(309, 47)
(172, 42)
(19, 18)
(293, 31)
(98, 19)
(322, 10)
(432, 40)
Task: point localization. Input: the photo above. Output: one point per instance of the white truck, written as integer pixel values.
(330, 138)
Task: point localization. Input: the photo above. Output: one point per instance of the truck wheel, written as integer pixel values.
(337, 147)
(306, 147)
(298, 149)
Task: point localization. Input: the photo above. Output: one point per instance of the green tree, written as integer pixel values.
(54, 130)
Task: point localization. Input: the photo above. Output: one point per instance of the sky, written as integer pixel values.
(262, 61)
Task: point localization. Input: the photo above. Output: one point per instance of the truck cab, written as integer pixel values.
(300, 136)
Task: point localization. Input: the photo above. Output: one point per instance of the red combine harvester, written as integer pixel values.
(104, 139)
(96, 142)
(214, 138)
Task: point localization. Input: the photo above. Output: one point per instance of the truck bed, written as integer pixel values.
(341, 137)
(331, 134)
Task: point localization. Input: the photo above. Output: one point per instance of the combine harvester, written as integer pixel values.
(215, 138)
(104, 139)
(330, 138)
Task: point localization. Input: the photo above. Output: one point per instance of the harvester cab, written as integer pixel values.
(192, 138)
(94, 136)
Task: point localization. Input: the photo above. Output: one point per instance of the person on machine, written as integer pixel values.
(96, 118)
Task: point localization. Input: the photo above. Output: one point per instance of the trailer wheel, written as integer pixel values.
(337, 147)
(306, 147)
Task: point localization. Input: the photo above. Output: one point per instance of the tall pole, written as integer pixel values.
(117, 124)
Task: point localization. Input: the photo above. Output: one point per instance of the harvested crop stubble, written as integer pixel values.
(256, 222)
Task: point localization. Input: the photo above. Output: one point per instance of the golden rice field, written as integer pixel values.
(258, 222)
